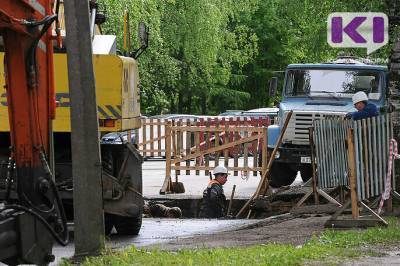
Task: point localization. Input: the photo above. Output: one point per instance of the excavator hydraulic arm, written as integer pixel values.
(29, 224)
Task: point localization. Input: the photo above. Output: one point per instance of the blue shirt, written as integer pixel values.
(369, 110)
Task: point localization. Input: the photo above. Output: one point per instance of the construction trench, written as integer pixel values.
(275, 221)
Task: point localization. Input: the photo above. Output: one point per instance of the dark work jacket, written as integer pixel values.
(369, 110)
(158, 210)
(213, 202)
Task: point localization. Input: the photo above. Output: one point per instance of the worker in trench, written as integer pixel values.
(364, 108)
(213, 204)
(157, 210)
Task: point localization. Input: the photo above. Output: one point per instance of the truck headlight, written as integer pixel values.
(277, 155)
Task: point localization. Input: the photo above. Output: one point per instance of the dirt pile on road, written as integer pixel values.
(285, 229)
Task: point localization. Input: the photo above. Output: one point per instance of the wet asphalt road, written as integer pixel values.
(160, 230)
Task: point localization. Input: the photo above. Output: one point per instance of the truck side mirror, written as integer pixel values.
(273, 85)
(143, 34)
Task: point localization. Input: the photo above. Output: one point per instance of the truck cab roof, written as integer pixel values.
(338, 66)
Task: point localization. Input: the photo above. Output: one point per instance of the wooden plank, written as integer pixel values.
(255, 146)
(181, 133)
(226, 140)
(223, 147)
(246, 150)
(159, 137)
(230, 138)
(217, 138)
(204, 168)
(264, 183)
(373, 213)
(304, 198)
(329, 198)
(236, 148)
(197, 142)
(365, 158)
(144, 127)
(264, 151)
(314, 171)
(202, 142)
(148, 150)
(173, 136)
(230, 201)
(228, 128)
(264, 179)
(166, 187)
(352, 174)
(188, 145)
(207, 145)
(177, 150)
(151, 137)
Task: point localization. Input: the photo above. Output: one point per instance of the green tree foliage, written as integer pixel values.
(207, 56)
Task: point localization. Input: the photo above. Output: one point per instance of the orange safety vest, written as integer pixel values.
(212, 182)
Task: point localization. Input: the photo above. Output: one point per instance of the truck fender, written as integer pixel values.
(273, 135)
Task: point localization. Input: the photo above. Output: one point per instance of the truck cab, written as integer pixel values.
(318, 91)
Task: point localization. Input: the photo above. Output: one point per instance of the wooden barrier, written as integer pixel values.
(207, 141)
(151, 136)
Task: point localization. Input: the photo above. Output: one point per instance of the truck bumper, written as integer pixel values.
(295, 156)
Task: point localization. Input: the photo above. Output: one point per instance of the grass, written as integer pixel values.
(330, 247)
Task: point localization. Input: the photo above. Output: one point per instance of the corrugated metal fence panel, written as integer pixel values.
(371, 143)
(373, 152)
(330, 138)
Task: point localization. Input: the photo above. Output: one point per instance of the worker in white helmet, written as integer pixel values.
(364, 108)
(213, 204)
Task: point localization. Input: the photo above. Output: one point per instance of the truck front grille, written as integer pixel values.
(297, 130)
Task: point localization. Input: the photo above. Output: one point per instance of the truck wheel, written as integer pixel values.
(128, 225)
(306, 172)
(281, 175)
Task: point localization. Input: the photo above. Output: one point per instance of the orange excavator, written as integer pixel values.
(30, 223)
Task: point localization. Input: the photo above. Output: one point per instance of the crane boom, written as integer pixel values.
(29, 224)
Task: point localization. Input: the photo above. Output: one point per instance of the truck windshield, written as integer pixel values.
(332, 83)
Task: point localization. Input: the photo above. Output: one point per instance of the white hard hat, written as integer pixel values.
(360, 97)
(220, 170)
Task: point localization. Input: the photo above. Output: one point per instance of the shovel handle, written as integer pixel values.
(230, 200)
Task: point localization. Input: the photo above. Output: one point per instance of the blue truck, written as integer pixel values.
(318, 91)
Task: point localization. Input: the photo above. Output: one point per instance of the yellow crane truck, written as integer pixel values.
(118, 100)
